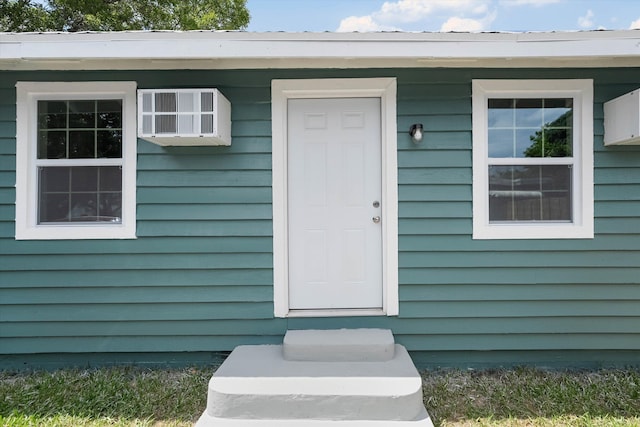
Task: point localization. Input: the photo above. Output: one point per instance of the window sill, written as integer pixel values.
(533, 231)
(76, 232)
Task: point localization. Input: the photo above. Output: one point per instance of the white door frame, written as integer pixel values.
(281, 92)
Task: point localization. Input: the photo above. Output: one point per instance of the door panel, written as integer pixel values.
(334, 178)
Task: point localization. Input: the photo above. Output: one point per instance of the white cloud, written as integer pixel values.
(462, 25)
(358, 23)
(635, 25)
(587, 20)
(457, 14)
(416, 10)
(536, 3)
(456, 23)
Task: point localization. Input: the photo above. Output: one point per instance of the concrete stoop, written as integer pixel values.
(347, 377)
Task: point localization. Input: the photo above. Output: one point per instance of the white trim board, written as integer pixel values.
(582, 223)
(282, 91)
(227, 50)
(28, 93)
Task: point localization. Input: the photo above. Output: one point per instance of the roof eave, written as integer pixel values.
(141, 50)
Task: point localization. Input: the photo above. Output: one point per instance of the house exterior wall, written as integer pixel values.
(199, 277)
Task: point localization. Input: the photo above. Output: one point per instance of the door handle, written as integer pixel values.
(375, 219)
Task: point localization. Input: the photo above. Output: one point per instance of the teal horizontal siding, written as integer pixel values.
(508, 309)
(200, 178)
(523, 342)
(43, 279)
(605, 243)
(145, 344)
(98, 311)
(206, 195)
(519, 276)
(7, 196)
(463, 294)
(177, 245)
(132, 294)
(161, 328)
(199, 276)
(141, 261)
(508, 292)
(202, 211)
(211, 228)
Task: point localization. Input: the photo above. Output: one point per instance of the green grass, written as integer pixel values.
(144, 397)
(529, 397)
(103, 397)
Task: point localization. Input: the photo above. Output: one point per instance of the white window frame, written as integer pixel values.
(383, 88)
(28, 94)
(581, 91)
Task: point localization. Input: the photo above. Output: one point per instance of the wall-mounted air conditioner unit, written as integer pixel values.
(184, 117)
(622, 120)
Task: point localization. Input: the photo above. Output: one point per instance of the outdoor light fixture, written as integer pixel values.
(416, 132)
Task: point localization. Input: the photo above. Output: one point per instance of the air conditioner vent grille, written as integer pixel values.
(184, 117)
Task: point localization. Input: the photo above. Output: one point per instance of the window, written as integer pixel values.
(532, 159)
(76, 160)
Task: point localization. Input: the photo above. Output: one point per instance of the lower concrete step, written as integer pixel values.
(257, 386)
(339, 345)
(206, 420)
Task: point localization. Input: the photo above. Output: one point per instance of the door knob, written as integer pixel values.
(376, 219)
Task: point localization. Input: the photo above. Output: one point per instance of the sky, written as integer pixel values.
(442, 15)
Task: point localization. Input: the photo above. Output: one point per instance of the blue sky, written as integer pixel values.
(442, 15)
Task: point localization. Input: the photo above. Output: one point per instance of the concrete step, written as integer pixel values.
(206, 420)
(339, 345)
(256, 386)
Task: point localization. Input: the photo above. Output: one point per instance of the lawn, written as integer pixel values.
(145, 397)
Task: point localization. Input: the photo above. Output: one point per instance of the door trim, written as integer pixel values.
(283, 90)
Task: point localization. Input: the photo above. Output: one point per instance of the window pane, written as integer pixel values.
(83, 207)
(501, 143)
(110, 207)
(83, 129)
(53, 194)
(82, 114)
(528, 112)
(52, 144)
(558, 111)
(54, 207)
(530, 193)
(109, 114)
(110, 179)
(109, 144)
(558, 143)
(82, 144)
(54, 180)
(525, 137)
(84, 178)
(538, 127)
(52, 114)
(80, 194)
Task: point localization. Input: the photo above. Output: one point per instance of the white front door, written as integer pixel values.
(334, 203)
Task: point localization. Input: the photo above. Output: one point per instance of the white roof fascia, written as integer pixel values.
(204, 49)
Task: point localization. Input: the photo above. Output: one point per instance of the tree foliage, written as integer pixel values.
(23, 15)
(122, 15)
(553, 140)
